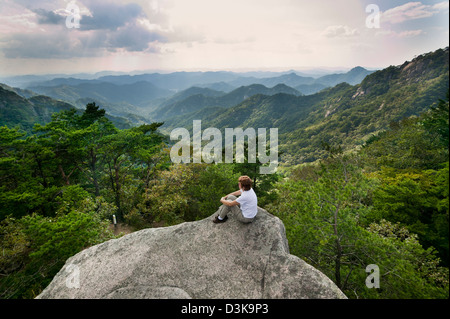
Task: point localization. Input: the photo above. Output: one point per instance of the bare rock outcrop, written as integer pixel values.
(199, 260)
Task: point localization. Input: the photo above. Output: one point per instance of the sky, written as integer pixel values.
(88, 36)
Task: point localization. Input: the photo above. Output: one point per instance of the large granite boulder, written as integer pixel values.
(194, 260)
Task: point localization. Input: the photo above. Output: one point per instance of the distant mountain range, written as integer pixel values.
(139, 93)
(198, 98)
(341, 109)
(354, 76)
(160, 96)
(144, 89)
(345, 115)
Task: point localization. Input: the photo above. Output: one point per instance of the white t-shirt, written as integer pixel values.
(248, 203)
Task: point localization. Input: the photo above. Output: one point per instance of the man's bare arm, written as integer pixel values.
(228, 203)
(236, 193)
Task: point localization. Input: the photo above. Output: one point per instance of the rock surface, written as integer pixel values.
(194, 260)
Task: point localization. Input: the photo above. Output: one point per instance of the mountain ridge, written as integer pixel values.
(199, 101)
(138, 93)
(345, 114)
(16, 110)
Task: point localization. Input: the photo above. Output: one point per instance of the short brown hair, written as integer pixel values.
(246, 182)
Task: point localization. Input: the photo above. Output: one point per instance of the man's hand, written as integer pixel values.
(228, 203)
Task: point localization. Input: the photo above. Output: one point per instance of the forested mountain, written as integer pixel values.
(197, 102)
(22, 92)
(354, 76)
(219, 86)
(180, 96)
(150, 90)
(343, 115)
(178, 81)
(16, 110)
(174, 81)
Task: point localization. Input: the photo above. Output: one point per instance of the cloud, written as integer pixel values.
(110, 16)
(441, 6)
(132, 37)
(412, 11)
(42, 46)
(19, 22)
(99, 16)
(48, 17)
(64, 43)
(336, 31)
(104, 27)
(202, 34)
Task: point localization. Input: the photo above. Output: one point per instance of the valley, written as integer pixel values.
(342, 109)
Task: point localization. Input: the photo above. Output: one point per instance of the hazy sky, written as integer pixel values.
(190, 35)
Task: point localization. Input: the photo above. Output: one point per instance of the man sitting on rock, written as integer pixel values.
(243, 208)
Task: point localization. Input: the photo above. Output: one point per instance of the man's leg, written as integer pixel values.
(237, 212)
(224, 209)
(242, 219)
(222, 212)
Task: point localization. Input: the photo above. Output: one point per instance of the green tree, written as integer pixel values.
(36, 247)
(91, 163)
(123, 153)
(91, 114)
(322, 214)
(410, 161)
(406, 145)
(60, 135)
(322, 209)
(263, 184)
(184, 192)
(437, 121)
(407, 270)
(212, 182)
(418, 201)
(26, 174)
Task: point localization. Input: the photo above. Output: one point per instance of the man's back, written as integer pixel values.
(248, 203)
